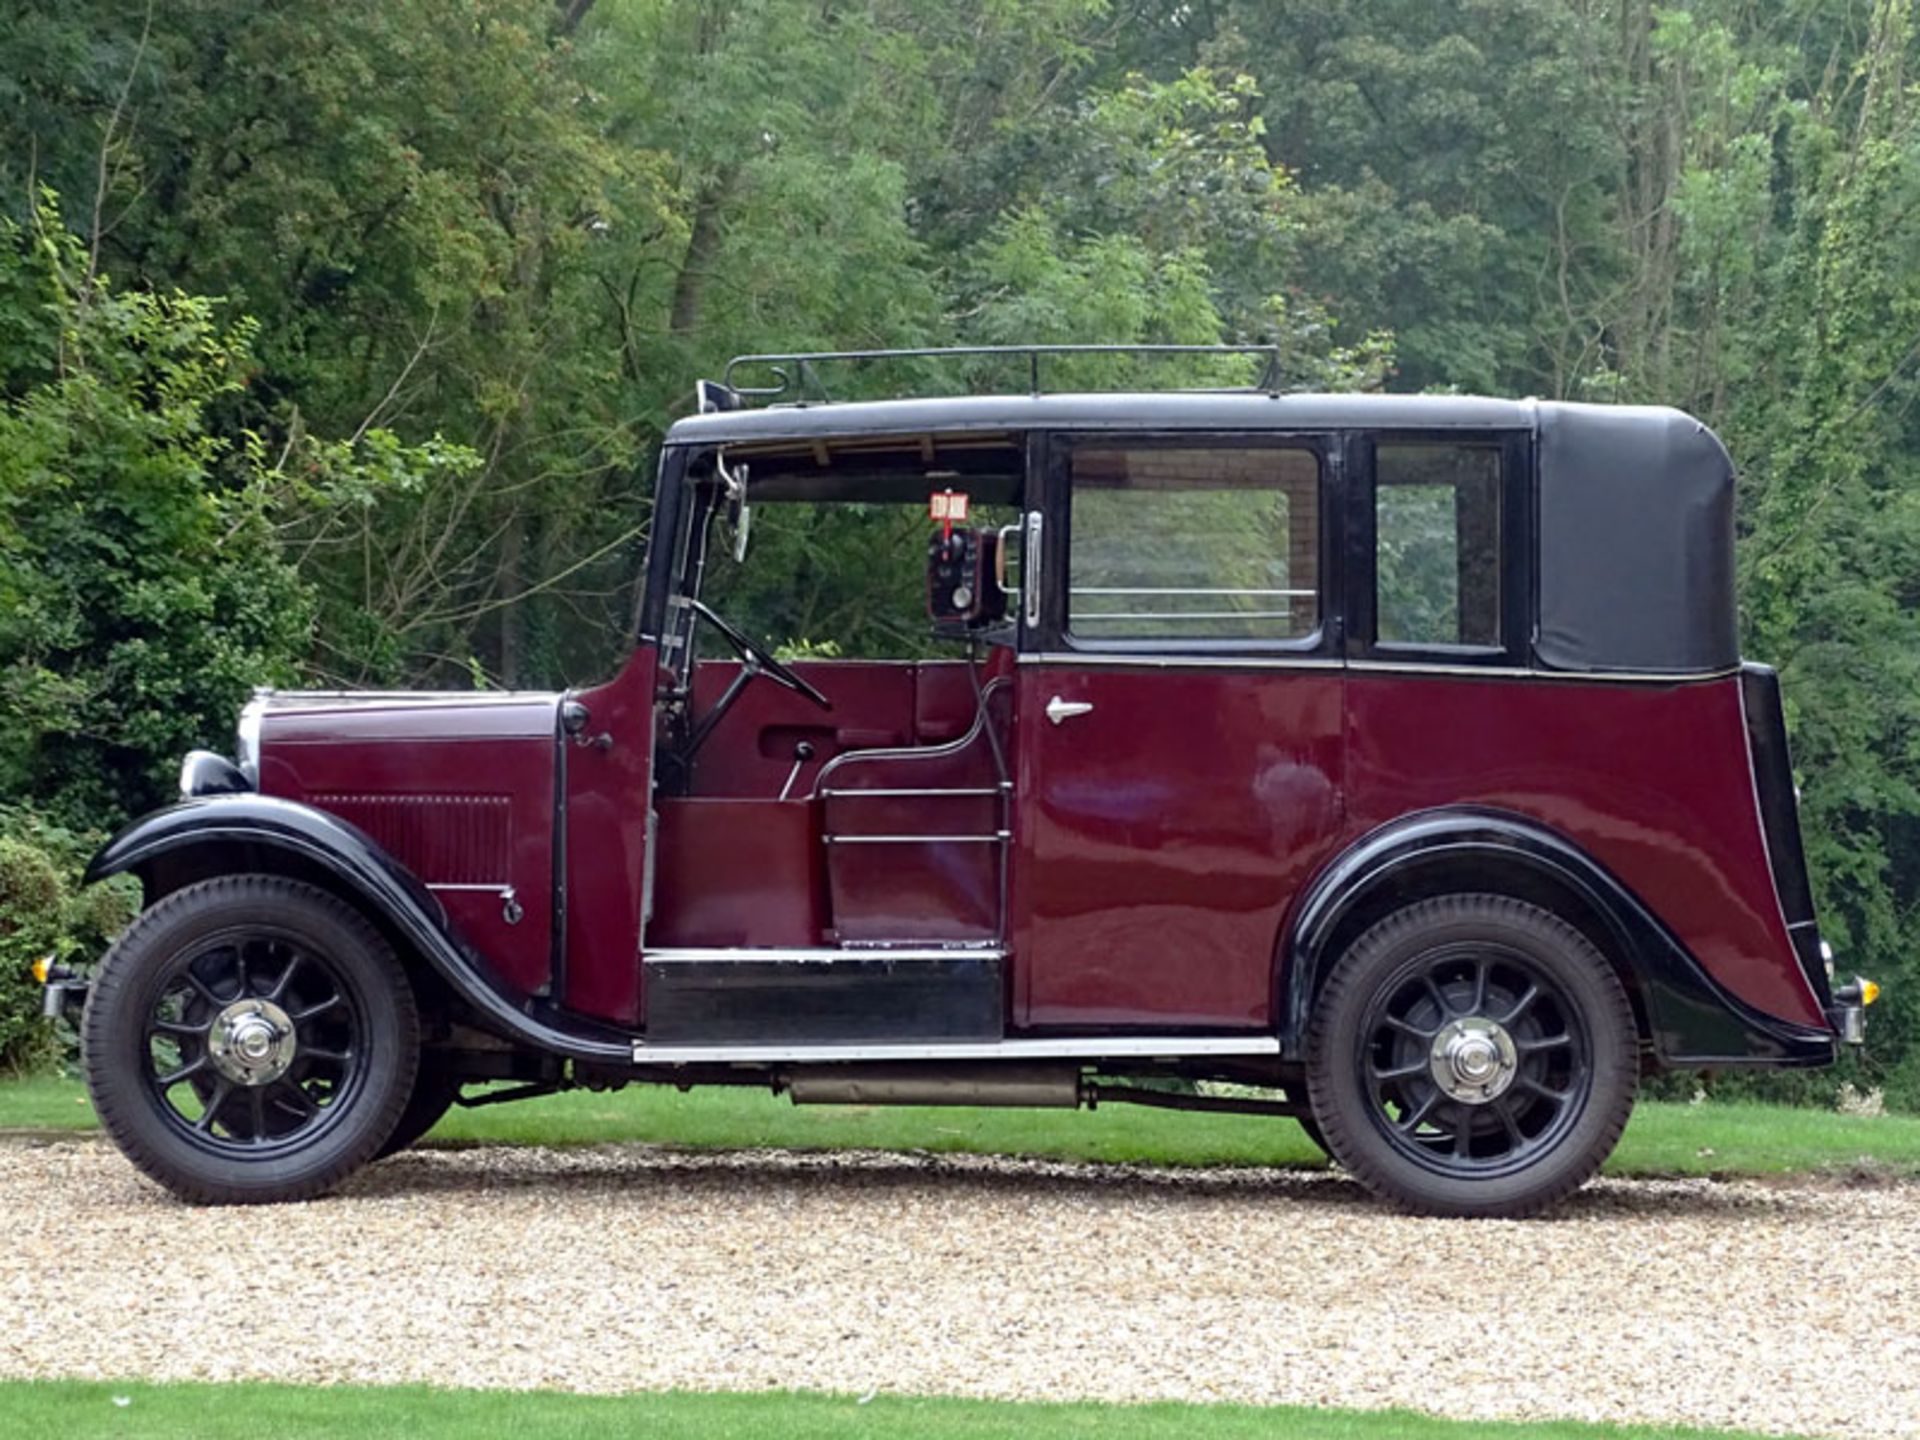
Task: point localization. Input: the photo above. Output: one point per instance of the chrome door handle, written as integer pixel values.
(1059, 710)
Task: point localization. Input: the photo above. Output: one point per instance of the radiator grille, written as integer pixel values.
(444, 839)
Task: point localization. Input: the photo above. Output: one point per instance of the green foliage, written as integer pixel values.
(797, 583)
(486, 245)
(1815, 321)
(147, 549)
(1418, 566)
(44, 914)
(140, 591)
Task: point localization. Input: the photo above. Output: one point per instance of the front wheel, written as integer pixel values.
(434, 1094)
(250, 1039)
(1472, 1055)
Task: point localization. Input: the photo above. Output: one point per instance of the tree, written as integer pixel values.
(526, 225)
(141, 593)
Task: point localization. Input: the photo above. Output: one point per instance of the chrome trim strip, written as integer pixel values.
(484, 889)
(282, 701)
(914, 794)
(1080, 617)
(1182, 662)
(821, 953)
(1370, 667)
(1182, 590)
(1169, 1047)
(997, 838)
(1418, 667)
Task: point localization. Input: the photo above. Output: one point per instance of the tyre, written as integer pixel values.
(1311, 1129)
(433, 1095)
(1297, 1091)
(1472, 1055)
(250, 1039)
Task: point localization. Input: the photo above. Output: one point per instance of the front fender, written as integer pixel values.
(1691, 1020)
(259, 832)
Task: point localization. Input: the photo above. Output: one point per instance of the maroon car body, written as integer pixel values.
(1125, 833)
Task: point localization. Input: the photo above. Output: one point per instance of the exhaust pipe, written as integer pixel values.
(1047, 1087)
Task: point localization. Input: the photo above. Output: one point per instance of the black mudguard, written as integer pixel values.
(1694, 1022)
(237, 833)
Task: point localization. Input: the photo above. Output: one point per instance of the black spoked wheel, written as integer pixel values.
(1473, 1058)
(254, 1042)
(250, 1039)
(1473, 1055)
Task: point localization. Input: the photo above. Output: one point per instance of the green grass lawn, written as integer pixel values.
(288, 1412)
(1662, 1139)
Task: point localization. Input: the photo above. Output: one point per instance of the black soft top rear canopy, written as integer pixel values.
(1635, 542)
(1633, 515)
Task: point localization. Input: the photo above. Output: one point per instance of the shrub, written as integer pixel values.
(44, 912)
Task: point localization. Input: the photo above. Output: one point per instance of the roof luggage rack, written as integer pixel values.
(798, 374)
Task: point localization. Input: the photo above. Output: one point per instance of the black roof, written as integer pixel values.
(1161, 410)
(1634, 504)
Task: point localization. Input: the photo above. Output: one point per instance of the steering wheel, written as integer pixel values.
(755, 659)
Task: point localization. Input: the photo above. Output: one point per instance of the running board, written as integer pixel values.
(1079, 1047)
(796, 999)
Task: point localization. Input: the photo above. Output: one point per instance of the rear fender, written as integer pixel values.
(227, 834)
(1686, 1016)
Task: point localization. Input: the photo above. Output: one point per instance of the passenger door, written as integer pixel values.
(1179, 733)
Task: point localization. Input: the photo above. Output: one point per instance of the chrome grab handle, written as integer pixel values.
(1030, 568)
(1060, 711)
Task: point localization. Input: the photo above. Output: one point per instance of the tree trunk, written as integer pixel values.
(703, 247)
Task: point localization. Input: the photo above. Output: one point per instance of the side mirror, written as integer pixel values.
(740, 516)
(739, 513)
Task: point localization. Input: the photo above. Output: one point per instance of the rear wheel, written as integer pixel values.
(1472, 1055)
(250, 1039)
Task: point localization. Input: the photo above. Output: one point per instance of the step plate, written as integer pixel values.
(834, 997)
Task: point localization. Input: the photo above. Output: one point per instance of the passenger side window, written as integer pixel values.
(1189, 542)
(1437, 545)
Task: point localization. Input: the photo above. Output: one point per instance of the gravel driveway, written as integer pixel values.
(1791, 1308)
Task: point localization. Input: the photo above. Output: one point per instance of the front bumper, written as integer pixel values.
(1848, 1012)
(61, 991)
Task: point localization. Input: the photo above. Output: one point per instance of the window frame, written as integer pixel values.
(1516, 570)
(1054, 464)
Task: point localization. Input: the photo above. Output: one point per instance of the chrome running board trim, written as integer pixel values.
(960, 950)
(1158, 1047)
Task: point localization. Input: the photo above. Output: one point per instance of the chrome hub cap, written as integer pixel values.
(252, 1042)
(1473, 1060)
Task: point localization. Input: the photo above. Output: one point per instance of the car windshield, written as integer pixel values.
(786, 593)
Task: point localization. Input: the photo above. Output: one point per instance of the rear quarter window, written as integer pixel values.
(1437, 545)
